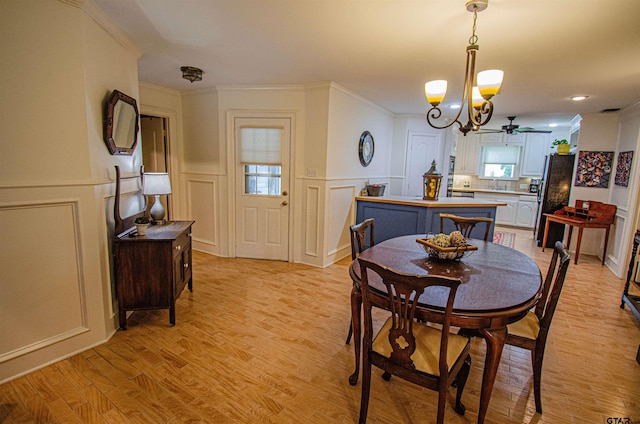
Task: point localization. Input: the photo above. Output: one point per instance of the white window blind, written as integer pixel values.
(501, 154)
(260, 145)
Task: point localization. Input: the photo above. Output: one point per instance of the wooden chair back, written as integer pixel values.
(403, 292)
(358, 234)
(552, 287)
(466, 225)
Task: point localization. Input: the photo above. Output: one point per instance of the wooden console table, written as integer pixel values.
(152, 270)
(586, 214)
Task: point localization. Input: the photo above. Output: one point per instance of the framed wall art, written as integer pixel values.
(594, 169)
(623, 168)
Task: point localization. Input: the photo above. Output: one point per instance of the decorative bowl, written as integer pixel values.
(452, 253)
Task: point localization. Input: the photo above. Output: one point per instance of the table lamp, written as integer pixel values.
(156, 184)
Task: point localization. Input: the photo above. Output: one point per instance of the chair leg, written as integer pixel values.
(442, 402)
(537, 377)
(460, 382)
(356, 308)
(350, 333)
(366, 388)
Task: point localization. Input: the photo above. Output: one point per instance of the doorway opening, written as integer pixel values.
(155, 151)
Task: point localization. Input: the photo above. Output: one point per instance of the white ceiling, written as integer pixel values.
(385, 50)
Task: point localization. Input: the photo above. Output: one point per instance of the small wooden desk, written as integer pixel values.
(499, 286)
(594, 215)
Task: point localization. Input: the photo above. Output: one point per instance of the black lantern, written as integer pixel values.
(431, 180)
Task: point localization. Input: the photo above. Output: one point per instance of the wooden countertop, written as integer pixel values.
(452, 202)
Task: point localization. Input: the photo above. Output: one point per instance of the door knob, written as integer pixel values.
(284, 193)
(285, 203)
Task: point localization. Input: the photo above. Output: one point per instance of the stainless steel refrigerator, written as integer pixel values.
(553, 195)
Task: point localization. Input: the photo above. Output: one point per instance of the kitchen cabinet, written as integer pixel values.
(536, 147)
(467, 154)
(502, 139)
(506, 215)
(526, 216)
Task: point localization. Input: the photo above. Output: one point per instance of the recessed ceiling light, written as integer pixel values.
(578, 98)
(553, 125)
(454, 106)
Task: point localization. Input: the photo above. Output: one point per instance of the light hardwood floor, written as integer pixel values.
(263, 342)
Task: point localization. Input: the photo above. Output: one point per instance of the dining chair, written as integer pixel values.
(358, 233)
(531, 331)
(466, 225)
(428, 356)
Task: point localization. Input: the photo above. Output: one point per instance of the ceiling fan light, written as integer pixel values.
(435, 91)
(489, 82)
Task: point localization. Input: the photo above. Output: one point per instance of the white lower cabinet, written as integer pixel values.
(504, 214)
(526, 216)
(519, 210)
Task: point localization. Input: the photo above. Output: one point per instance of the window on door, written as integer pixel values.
(260, 156)
(262, 179)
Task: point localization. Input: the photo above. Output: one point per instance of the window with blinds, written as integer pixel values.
(499, 161)
(260, 156)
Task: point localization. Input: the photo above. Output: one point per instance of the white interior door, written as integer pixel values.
(422, 149)
(262, 187)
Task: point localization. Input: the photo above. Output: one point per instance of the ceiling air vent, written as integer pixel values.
(610, 110)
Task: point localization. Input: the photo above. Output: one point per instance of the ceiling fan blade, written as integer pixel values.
(531, 130)
(488, 131)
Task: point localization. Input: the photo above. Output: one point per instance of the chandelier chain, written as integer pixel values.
(474, 38)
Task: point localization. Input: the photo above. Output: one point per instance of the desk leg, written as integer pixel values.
(356, 312)
(495, 339)
(606, 241)
(575, 261)
(546, 233)
(569, 236)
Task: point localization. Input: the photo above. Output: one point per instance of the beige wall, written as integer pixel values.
(56, 178)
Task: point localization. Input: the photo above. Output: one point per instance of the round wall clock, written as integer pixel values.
(365, 148)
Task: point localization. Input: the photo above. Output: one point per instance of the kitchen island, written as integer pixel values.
(399, 216)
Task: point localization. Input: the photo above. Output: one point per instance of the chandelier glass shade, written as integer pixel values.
(478, 90)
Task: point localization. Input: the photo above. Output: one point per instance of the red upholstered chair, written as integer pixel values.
(531, 331)
(424, 355)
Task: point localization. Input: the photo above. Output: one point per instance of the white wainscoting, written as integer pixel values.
(341, 215)
(312, 221)
(203, 209)
(45, 278)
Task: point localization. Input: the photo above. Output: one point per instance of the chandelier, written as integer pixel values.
(191, 73)
(478, 97)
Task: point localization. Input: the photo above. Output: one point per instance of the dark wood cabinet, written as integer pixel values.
(152, 270)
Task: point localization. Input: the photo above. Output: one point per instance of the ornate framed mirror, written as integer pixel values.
(121, 123)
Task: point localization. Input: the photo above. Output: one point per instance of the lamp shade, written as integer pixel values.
(489, 82)
(154, 183)
(435, 91)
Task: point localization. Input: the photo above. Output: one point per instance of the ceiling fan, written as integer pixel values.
(512, 128)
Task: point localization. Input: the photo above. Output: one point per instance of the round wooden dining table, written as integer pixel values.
(499, 285)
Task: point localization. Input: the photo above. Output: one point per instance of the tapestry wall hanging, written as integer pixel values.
(623, 168)
(594, 169)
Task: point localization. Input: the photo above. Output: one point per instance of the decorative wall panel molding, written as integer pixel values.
(203, 209)
(312, 221)
(41, 275)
